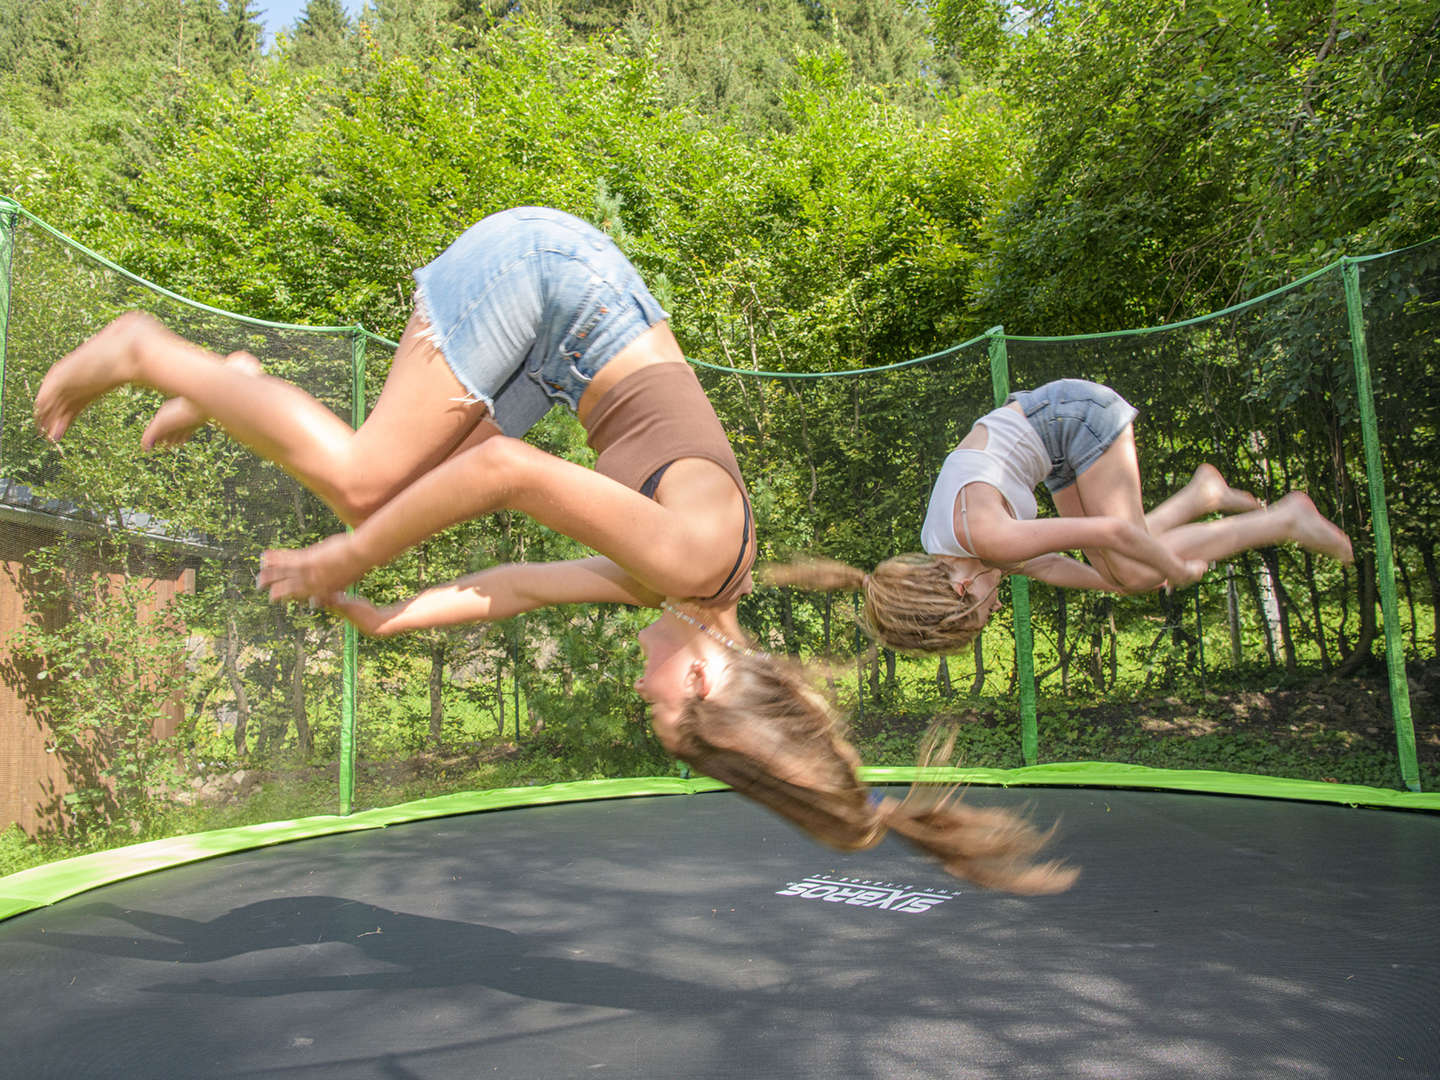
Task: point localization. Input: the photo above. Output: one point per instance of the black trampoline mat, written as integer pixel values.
(699, 936)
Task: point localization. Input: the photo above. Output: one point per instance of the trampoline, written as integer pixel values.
(700, 936)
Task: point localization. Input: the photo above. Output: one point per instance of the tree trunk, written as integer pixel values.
(237, 684)
(942, 679)
(979, 684)
(1427, 556)
(1271, 558)
(1232, 616)
(1365, 565)
(1265, 605)
(1114, 640)
(1062, 621)
(303, 741)
(1097, 657)
(437, 688)
(1316, 612)
(500, 692)
(787, 622)
(1409, 600)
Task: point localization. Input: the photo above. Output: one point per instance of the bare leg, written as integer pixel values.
(422, 416)
(1293, 519)
(179, 418)
(1206, 493)
(1111, 488)
(683, 543)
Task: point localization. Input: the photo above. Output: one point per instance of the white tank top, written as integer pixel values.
(1013, 462)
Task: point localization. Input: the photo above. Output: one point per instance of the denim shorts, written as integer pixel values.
(1077, 420)
(527, 305)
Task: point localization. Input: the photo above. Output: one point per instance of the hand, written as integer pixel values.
(319, 570)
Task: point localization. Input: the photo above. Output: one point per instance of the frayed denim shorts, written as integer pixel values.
(527, 305)
(1077, 420)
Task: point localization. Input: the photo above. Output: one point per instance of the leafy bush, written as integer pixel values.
(101, 672)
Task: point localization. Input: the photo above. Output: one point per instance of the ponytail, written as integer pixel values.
(816, 575)
(910, 600)
(776, 739)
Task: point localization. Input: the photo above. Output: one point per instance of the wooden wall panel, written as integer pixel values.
(32, 781)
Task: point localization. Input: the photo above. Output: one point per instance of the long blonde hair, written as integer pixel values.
(910, 600)
(775, 738)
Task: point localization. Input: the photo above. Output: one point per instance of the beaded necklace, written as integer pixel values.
(707, 629)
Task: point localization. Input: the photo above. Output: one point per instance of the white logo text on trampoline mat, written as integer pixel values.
(885, 895)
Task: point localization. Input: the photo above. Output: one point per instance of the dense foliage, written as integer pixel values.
(807, 188)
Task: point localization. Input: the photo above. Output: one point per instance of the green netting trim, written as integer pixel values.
(1233, 309)
(161, 290)
(43, 885)
(1386, 254)
(836, 374)
(1198, 319)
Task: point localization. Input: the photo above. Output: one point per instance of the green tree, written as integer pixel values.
(1185, 157)
(323, 35)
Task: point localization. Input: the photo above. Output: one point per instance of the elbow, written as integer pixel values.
(1123, 534)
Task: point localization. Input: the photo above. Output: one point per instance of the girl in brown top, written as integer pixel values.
(528, 307)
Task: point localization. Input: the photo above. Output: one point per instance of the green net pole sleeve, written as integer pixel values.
(9, 214)
(350, 664)
(1019, 583)
(1380, 519)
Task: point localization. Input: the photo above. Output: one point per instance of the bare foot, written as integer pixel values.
(179, 418)
(1219, 495)
(315, 571)
(1310, 529)
(105, 361)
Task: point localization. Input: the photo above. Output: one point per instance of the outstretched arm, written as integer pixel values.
(497, 593)
(1009, 541)
(1067, 573)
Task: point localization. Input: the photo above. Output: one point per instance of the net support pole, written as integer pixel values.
(9, 214)
(1019, 583)
(350, 662)
(1380, 523)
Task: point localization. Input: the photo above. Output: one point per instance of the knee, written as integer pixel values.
(501, 461)
(136, 322)
(357, 500)
(1131, 580)
(1127, 576)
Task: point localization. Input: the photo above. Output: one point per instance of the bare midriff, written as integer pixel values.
(657, 345)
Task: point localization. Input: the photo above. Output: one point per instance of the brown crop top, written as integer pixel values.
(653, 418)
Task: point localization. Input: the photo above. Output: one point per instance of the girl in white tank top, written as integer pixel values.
(1077, 437)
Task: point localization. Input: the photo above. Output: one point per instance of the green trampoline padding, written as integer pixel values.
(43, 885)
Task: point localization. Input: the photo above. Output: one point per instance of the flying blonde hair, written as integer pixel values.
(775, 738)
(910, 600)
